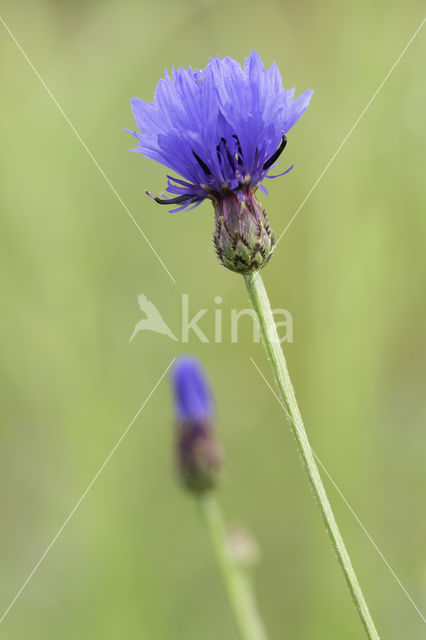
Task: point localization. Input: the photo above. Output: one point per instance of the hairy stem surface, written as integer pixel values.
(259, 299)
(238, 588)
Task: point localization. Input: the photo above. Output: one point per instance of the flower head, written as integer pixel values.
(222, 129)
(198, 453)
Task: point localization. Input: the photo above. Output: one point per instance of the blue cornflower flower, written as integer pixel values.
(198, 453)
(222, 129)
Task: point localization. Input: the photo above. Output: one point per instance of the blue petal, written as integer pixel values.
(218, 126)
(193, 399)
(297, 109)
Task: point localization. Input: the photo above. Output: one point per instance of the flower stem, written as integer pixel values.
(259, 299)
(237, 586)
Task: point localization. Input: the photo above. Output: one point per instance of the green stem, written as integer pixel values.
(262, 307)
(237, 586)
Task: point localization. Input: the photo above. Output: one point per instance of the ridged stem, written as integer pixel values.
(259, 299)
(238, 588)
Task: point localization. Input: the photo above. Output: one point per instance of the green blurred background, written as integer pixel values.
(134, 562)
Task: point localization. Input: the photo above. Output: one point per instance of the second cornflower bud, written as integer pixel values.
(198, 452)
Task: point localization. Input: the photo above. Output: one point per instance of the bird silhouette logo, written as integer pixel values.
(153, 320)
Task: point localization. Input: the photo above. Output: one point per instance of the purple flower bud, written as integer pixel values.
(198, 452)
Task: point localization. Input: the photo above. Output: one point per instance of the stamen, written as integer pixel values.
(220, 157)
(239, 155)
(177, 200)
(281, 174)
(202, 164)
(228, 154)
(276, 155)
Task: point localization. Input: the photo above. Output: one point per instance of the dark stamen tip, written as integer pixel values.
(277, 153)
(178, 200)
(202, 164)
